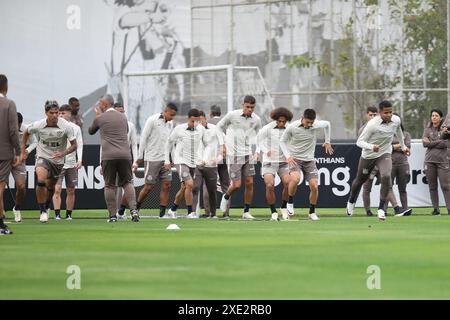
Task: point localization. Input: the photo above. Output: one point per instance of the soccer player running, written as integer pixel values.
(188, 140)
(19, 173)
(401, 174)
(375, 142)
(371, 112)
(9, 145)
(132, 140)
(222, 167)
(52, 134)
(298, 144)
(152, 149)
(241, 127)
(116, 156)
(70, 170)
(208, 171)
(273, 159)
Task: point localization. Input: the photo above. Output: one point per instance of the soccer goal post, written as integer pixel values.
(145, 92)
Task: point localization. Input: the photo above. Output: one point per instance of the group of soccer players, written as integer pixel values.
(202, 150)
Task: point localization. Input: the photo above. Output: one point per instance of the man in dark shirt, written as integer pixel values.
(116, 156)
(9, 144)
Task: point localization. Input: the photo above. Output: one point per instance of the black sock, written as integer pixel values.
(174, 207)
(381, 206)
(68, 213)
(246, 208)
(17, 207)
(397, 209)
(162, 211)
(291, 199)
(48, 203)
(42, 207)
(2, 224)
(283, 204)
(368, 210)
(226, 196)
(189, 209)
(272, 207)
(138, 205)
(57, 212)
(352, 199)
(122, 209)
(312, 208)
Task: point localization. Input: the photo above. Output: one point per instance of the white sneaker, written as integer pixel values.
(121, 217)
(350, 207)
(274, 216)
(224, 204)
(381, 214)
(284, 214)
(17, 215)
(44, 217)
(248, 216)
(313, 216)
(290, 209)
(58, 217)
(172, 214)
(192, 215)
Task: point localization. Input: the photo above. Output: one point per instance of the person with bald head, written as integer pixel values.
(116, 156)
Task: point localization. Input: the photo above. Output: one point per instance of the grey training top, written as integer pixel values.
(51, 139)
(113, 127)
(240, 132)
(9, 129)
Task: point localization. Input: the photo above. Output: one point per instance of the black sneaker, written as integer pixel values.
(112, 219)
(407, 212)
(135, 216)
(206, 215)
(436, 212)
(369, 213)
(5, 231)
(226, 216)
(399, 212)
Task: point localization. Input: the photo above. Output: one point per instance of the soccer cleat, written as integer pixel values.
(436, 212)
(275, 217)
(224, 205)
(4, 230)
(43, 217)
(69, 218)
(112, 219)
(192, 215)
(134, 216)
(313, 216)
(350, 207)
(57, 217)
(290, 209)
(284, 214)
(369, 213)
(172, 214)
(381, 214)
(248, 216)
(17, 215)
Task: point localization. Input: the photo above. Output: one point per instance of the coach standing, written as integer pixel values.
(9, 144)
(116, 156)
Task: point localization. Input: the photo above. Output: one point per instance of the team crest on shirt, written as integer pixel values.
(149, 178)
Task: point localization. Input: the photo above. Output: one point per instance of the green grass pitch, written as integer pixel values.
(218, 259)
